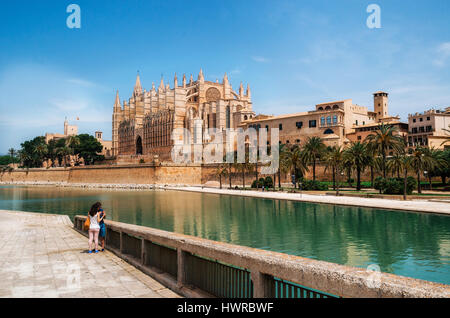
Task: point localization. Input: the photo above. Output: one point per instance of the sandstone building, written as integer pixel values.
(337, 123)
(142, 126)
(427, 128)
(69, 130)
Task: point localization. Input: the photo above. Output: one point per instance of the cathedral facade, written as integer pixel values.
(143, 125)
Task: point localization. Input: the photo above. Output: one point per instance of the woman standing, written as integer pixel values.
(94, 227)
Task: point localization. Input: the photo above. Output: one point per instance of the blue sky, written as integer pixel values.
(294, 54)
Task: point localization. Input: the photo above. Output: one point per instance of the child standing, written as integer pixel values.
(102, 232)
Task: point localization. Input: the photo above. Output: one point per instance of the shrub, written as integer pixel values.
(395, 185)
(142, 161)
(258, 183)
(314, 185)
(268, 182)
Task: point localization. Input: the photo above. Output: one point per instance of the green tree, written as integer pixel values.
(443, 169)
(395, 163)
(221, 171)
(384, 139)
(435, 161)
(292, 160)
(334, 159)
(313, 149)
(32, 152)
(356, 156)
(405, 164)
(88, 148)
(64, 152)
(420, 161)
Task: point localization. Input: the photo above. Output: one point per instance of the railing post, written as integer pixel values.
(121, 243)
(262, 285)
(181, 272)
(142, 251)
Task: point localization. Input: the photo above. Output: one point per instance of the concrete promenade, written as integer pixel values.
(413, 205)
(41, 255)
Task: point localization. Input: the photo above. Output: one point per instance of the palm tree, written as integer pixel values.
(64, 152)
(12, 152)
(41, 151)
(436, 160)
(383, 139)
(356, 156)
(420, 161)
(333, 159)
(72, 142)
(395, 163)
(404, 162)
(221, 171)
(313, 149)
(243, 168)
(293, 161)
(283, 150)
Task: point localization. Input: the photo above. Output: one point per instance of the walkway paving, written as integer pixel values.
(425, 206)
(42, 256)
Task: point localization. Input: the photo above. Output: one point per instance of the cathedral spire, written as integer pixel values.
(175, 81)
(201, 77)
(161, 84)
(117, 102)
(225, 79)
(241, 90)
(138, 86)
(249, 94)
(191, 80)
(184, 80)
(153, 86)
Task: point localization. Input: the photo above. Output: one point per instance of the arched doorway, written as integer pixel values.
(139, 145)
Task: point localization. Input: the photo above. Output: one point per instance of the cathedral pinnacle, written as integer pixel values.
(138, 86)
(241, 90)
(201, 77)
(117, 102)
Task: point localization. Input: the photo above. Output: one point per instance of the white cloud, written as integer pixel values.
(443, 54)
(81, 82)
(260, 59)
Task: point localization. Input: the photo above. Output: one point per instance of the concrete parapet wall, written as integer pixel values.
(334, 279)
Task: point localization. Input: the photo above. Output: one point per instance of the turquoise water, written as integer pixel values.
(408, 244)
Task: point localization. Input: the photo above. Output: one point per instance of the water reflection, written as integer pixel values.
(409, 244)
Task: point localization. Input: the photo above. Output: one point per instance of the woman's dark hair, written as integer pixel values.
(94, 208)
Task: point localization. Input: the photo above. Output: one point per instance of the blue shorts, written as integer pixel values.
(102, 232)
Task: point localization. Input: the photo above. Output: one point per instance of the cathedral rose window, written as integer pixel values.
(212, 94)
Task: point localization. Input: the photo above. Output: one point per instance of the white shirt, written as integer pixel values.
(94, 222)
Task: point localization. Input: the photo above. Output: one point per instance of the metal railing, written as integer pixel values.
(220, 280)
(196, 267)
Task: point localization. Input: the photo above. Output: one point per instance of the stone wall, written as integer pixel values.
(166, 173)
(132, 174)
(34, 175)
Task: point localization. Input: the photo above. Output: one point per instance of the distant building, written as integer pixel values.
(427, 128)
(107, 144)
(72, 130)
(69, 130)
(336, 123)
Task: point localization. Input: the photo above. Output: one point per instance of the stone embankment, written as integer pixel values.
(94, 185)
